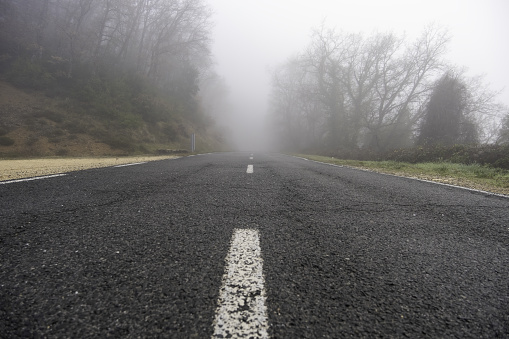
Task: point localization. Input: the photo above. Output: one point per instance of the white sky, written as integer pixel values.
(252, 36)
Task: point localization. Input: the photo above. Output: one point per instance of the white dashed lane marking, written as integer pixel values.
(30, 179)
(241, 311)
(249, 169)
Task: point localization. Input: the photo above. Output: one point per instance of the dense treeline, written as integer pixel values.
(351, 92)
(130, 62)
(164, 40)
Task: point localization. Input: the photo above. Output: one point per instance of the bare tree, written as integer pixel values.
(296, 106)
(326, 59)
(72, 31)
(154, 36)
(403, 82)
(483, 108)
(371, 89)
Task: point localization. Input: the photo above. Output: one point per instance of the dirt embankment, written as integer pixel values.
(17, 169)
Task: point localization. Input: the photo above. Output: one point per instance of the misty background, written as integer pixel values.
(252, 38)
(328, 77)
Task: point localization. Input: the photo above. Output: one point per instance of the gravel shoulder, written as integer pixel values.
(26, 168)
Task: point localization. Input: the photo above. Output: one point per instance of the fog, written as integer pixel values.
(251, 37)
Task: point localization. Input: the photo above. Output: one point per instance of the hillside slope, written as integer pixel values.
(34, 124)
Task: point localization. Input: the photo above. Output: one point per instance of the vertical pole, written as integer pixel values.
(193, 142)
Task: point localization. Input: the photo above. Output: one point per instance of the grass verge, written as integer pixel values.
(475, 176)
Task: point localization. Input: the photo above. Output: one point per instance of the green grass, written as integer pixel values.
(473, 176)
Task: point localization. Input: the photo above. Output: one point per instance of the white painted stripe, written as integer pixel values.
(250, 158)
(30, 179)
(249, 169)
(241, 311)
(131, 164)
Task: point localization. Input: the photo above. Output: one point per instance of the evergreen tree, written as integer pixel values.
(504, 131)
(445, 121)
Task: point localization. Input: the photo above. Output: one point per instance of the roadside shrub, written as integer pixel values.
(150, 107)
(25, 73)
(144, 149)
(361, 154)
(118, 141)
(105, 98)
(53, 132)
(492, 155)
(32, 140)
(489, 155)
(129, 120)
(76, 126)
(62, 152)
(182, 130)
(52, 115)
(98, 132)
(6, 141)
(169, 131)
(502, 162)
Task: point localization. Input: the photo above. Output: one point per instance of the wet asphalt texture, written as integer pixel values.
(139, 251)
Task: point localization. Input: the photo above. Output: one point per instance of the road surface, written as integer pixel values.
(149, 250)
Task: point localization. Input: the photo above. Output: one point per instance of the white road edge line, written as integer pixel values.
(132, 164)
(249, 169)
(34, 178)
(411, 178)
(241, 311)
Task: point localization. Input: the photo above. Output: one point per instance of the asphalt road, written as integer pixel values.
(139, 251)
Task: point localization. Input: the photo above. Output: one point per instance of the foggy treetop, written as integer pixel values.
(377, 92)
(160, 39)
